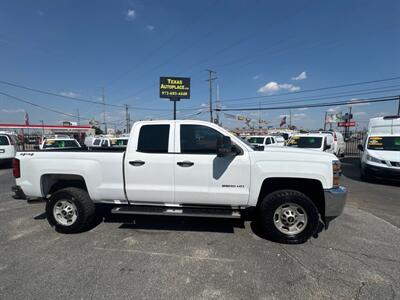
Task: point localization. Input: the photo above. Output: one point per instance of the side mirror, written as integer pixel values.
(360, 147)
(224, 146)
(327, 146)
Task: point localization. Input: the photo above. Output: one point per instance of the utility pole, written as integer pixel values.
(104, 110)
(259, 114)
(78, 117)
(290, 119)
(217, 104)
(210, 79)
(128, 119)
(398, 108)
(326, 115)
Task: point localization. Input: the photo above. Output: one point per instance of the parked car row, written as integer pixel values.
(327, 141)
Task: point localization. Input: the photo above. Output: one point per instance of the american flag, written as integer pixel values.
(26, 119)
(283, 122)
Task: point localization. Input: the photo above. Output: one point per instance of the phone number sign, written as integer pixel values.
(175, 87)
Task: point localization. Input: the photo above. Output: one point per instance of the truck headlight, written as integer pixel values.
(374, 159)
(337, 172)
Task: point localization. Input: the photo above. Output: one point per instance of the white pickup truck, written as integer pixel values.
(187, 168)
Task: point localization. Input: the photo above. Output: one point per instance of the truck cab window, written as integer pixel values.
(153, 139)
(199, 139)
(267, 141)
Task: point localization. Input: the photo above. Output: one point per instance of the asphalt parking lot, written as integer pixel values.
(176, 258)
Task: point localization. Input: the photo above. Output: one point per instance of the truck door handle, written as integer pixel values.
(185, 163)
(137, 163)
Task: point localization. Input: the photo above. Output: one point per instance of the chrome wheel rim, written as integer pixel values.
(290, 218)
(65, 212)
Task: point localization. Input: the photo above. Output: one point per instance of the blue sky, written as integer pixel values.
(257, 48)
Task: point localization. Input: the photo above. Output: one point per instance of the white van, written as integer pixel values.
(381, 149)
(8, 147)
(339, 145)
(259, 142)
(312, 141)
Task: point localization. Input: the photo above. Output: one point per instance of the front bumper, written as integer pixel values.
(381, 172)
(335, 200)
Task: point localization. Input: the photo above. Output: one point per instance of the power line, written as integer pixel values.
(391, 88)
(312, 90)
(338, 103)
(45, 108)
(222, 50)
(75, 98)
(55, 94)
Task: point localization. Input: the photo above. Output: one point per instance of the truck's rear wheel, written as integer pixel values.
(288, 216)
(70, 210)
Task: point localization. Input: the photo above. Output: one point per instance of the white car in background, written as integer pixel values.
(58, 142)
(314, 141)
(117, 142)
(8, 147)
(261, 142)
(381, 149)
(339, 145)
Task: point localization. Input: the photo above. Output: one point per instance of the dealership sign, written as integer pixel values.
(175, 88)
(347, 124)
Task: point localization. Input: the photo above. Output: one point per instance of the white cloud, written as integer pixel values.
(334, 109)
(69, 94)
(359, 113)
(150, 27)
(303, 108)
(12, 111)
(301, 76)
(273, 87)
(299, 115)
(130, 14)
(255, 77)
(355, 100)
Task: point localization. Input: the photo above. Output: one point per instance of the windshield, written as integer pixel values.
(61, 144)
(256, 140)
(3, 140)
(305, 142)
(119, 142)
(388, 143)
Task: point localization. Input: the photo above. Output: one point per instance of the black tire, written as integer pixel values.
(273, 201)
(85, 209)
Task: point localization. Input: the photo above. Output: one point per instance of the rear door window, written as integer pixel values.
(153, 139)
(4, 141)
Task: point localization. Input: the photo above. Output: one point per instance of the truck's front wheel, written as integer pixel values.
(288, 216)
(70, 210)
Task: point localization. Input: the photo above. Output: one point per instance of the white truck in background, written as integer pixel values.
(381, 149)
(314, 141)
(187, 168)
(8, 147)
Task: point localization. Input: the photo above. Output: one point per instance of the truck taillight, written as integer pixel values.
(334, 136)
(16, 168)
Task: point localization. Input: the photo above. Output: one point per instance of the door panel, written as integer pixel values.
(149, 164)
(210, 179)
